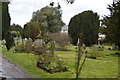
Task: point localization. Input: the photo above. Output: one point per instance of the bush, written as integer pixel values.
(62, 39)
(50, 63)
(21, 48)
(94, 53)
(3, 42)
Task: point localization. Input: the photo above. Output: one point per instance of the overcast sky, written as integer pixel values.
(21, 10)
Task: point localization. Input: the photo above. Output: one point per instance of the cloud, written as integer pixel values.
(21, 10)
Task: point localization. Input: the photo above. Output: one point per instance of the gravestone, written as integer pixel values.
(52, 47)
(16, 39)
(29, 46)
(84, 46)
(38, 43)
(113, 46)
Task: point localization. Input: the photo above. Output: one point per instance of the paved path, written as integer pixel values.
(9, 70)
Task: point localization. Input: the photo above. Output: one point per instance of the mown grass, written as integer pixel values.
(103, 67)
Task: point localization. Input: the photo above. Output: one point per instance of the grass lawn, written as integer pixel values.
(103, 67)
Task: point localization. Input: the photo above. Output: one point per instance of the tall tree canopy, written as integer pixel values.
(5, 18)
(0, 20)
(15, 27)
(49, 18)
(86, 23)
(31, 30)
(112, 23)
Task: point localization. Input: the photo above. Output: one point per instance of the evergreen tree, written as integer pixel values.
(0, 20)
(86, 23)
(5, 18)
(9, 40)
(112, 23)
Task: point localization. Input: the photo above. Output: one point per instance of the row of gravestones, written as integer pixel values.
(29, 45)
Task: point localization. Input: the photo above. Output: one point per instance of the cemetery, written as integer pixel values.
(47, 47)
(49, 63)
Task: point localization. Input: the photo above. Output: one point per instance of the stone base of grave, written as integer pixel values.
(51, 71)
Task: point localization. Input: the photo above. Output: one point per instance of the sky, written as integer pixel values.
(21, 10)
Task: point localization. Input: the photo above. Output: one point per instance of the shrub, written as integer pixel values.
(62, 39)
(22, 48)
(3, 42)
(95, 53)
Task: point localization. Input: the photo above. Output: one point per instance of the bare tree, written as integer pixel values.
(62, 39)
(81, 56)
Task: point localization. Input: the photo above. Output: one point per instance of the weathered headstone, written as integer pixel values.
(113, 46)
(84, 47)
(52, 47)
(29, 46)
(16, 39)
(38, 43)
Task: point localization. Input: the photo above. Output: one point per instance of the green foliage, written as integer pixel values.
(49, 18)
(21, 48)
(15, 33)
(17, 28)
(9, 40)
(1, 20)
(112, 23)
(5, 19)
(3, 42)
(95, 53)
(51, 61)
(31, 30)
(86, 23)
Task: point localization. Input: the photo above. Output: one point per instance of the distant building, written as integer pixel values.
(101, 36)
(64, 29)
(116, 1)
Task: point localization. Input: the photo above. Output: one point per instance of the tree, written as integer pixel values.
(49, 18)
(15, 27)
(62, 39)
(31, 30)
(112, 23)
(86, 23)
(80, 59)
(9, 40)
(5, 18)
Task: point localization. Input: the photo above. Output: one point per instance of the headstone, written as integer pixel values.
(98, 43)
(84, 47)
(113, 46)
(16, 39)
(52, 47)
(38, 44)
(29, 46)
(25, 40)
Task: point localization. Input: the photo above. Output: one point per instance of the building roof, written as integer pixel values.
(64, 28)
